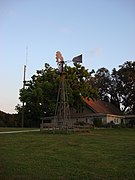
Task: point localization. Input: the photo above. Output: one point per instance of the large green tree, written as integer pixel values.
(39, 96)
(123, 87)
(40, 93)
(118, 87)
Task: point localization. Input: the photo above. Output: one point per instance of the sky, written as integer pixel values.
(31, 31)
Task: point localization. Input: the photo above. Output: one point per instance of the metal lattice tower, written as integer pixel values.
(62, 112)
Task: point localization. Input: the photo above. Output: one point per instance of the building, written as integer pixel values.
(97, 110)
(90, 111)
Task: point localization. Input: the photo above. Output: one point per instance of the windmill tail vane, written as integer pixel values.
(77, 59)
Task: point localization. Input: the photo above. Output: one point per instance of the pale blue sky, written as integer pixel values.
(102, 30)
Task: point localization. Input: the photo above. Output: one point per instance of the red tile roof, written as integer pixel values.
(102, 107)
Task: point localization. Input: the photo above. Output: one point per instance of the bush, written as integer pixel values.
(98, 122)
(131, 124)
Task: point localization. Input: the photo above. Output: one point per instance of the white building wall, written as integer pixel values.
(116, 119)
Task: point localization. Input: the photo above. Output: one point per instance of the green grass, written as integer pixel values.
(100, 154)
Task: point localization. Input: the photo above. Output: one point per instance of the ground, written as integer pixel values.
(98, 154)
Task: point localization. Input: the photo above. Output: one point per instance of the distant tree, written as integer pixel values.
(8, 120)
(115, 96)
(123, 87)
(119, 87)
(102, 82)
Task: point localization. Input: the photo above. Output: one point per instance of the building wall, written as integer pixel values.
(85, 114)
(115, 118)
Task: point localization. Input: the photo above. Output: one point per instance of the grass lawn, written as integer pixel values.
(99, 154)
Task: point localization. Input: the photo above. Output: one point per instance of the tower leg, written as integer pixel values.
(62, 112)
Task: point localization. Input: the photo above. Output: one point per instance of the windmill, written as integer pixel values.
(62, 112)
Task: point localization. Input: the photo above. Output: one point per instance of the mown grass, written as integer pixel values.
(100, 154)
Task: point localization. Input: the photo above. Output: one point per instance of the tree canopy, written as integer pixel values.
(40, 93)
(123, 87)
(118, 87)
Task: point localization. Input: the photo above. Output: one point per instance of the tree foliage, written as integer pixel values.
(118, 87)
(123, 87)
(40, 93)
(80, 81)
(102, 82)
(8, 120)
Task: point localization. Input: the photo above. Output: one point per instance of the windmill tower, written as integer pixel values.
(62, 112)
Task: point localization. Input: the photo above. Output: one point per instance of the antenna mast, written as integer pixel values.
(24, 81)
